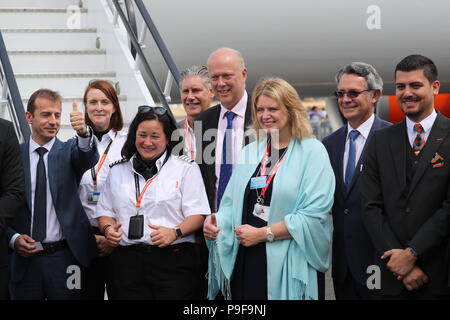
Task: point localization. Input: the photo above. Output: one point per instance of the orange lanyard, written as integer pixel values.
(100, 163)
(272, 173)
(188, 138)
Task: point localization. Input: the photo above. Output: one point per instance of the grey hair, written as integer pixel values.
(236, 53)
(365, 70)
(200, 71)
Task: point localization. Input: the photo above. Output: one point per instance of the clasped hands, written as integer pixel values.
(247, 235)
(402, 265)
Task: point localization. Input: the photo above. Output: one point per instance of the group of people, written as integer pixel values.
(238, 201)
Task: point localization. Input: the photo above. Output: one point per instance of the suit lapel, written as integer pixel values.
(398, 151)
(52, 170)
(439, 132)
(339, 158)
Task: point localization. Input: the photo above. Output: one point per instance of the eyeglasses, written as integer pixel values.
(160, 111)
(352, 94)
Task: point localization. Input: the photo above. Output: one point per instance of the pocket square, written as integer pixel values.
(437, 161)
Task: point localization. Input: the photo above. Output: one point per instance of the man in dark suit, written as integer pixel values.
(51, 232)
(359, 88)
(228, 74)
(12, 189)
(406, 189)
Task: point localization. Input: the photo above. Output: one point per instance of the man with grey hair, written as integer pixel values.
(196, 96)
(359, 88)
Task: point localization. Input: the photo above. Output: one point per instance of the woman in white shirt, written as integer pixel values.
(103, 115)
(151, 205)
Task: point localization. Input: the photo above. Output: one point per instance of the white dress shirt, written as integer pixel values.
(54, 231)
(176, 193)
(426, 123)
(86, 185)
(237, 138)
(189, 148)
(360, 141)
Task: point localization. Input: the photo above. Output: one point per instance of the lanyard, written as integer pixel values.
(139, 193)
(100, 163)
(272, 173)
(188, 138)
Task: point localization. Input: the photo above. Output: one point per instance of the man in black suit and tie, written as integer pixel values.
(224, 122)
(359, 88)
(12, 189)
(406, 189)
(222, 128)
(51, 232)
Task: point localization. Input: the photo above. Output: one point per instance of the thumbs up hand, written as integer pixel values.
(210, 229)
(77, 120)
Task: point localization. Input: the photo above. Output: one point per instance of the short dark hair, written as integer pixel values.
(116, 121)
(169, 126)
(44, 94)
(418, 62)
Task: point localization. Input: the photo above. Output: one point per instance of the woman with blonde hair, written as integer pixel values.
(270, 238)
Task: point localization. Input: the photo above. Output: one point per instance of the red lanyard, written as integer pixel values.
(141, 194)
(189, 141)
(100, 163)
(272, 173)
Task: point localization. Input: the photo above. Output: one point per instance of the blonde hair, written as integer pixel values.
(285, 95)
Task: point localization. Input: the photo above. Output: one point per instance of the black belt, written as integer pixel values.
(52, 247)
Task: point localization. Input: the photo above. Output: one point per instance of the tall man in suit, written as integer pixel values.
(223, 125)
(406, 189)
(359, 87)
(52, 231)
(12, 190)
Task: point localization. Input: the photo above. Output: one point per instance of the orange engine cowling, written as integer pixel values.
(395, 114)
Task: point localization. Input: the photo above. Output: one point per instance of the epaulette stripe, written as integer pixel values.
(117, 162)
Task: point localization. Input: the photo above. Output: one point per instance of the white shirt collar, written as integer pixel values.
(159, 162)
(34, 145)
(364, 128)
(238, 109)
(426, 123)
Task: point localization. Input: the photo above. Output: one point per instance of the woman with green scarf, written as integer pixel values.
(270, 238)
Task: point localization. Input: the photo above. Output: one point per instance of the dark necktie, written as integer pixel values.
(40, 199)
(419, 141)
(351, 159)
(226, 167)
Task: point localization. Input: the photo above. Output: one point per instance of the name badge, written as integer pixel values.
(261, 212)
(92, 197)
(258, 182)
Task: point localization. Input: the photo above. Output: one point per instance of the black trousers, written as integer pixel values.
(95, 278)
(143, 272)
(350, 289)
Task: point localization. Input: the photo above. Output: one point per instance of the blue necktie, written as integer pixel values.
(40, 199)
(351, 159)
(226, 167)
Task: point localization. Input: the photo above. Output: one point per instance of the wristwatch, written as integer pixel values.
(178, 232)
(269, 235)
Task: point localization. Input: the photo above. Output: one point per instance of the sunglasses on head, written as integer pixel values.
(160, 111)
(351, 93)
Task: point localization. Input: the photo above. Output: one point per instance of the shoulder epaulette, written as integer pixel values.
(118, 162)
(186, 158)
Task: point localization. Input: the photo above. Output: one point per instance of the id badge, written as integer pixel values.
(92, 197)
(258, 182)
(136, 228)
(261, 212)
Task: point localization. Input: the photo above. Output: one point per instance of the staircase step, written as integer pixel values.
(41, 3)
(48, 18)
(42, 38)
(37, 61)
(39, 10)
(67, 84)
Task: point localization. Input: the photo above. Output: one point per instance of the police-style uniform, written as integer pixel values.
(176, 192)
(99, 272)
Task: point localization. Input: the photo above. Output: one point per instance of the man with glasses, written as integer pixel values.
(359, 88)
(405, 189)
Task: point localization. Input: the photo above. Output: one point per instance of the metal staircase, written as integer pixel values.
(63, 44)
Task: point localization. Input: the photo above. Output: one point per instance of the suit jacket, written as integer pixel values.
(417, 215)
(12, 184)
(352, 248)
(66, 165)
(210, 120)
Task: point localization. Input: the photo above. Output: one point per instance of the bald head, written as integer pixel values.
(228, 74)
